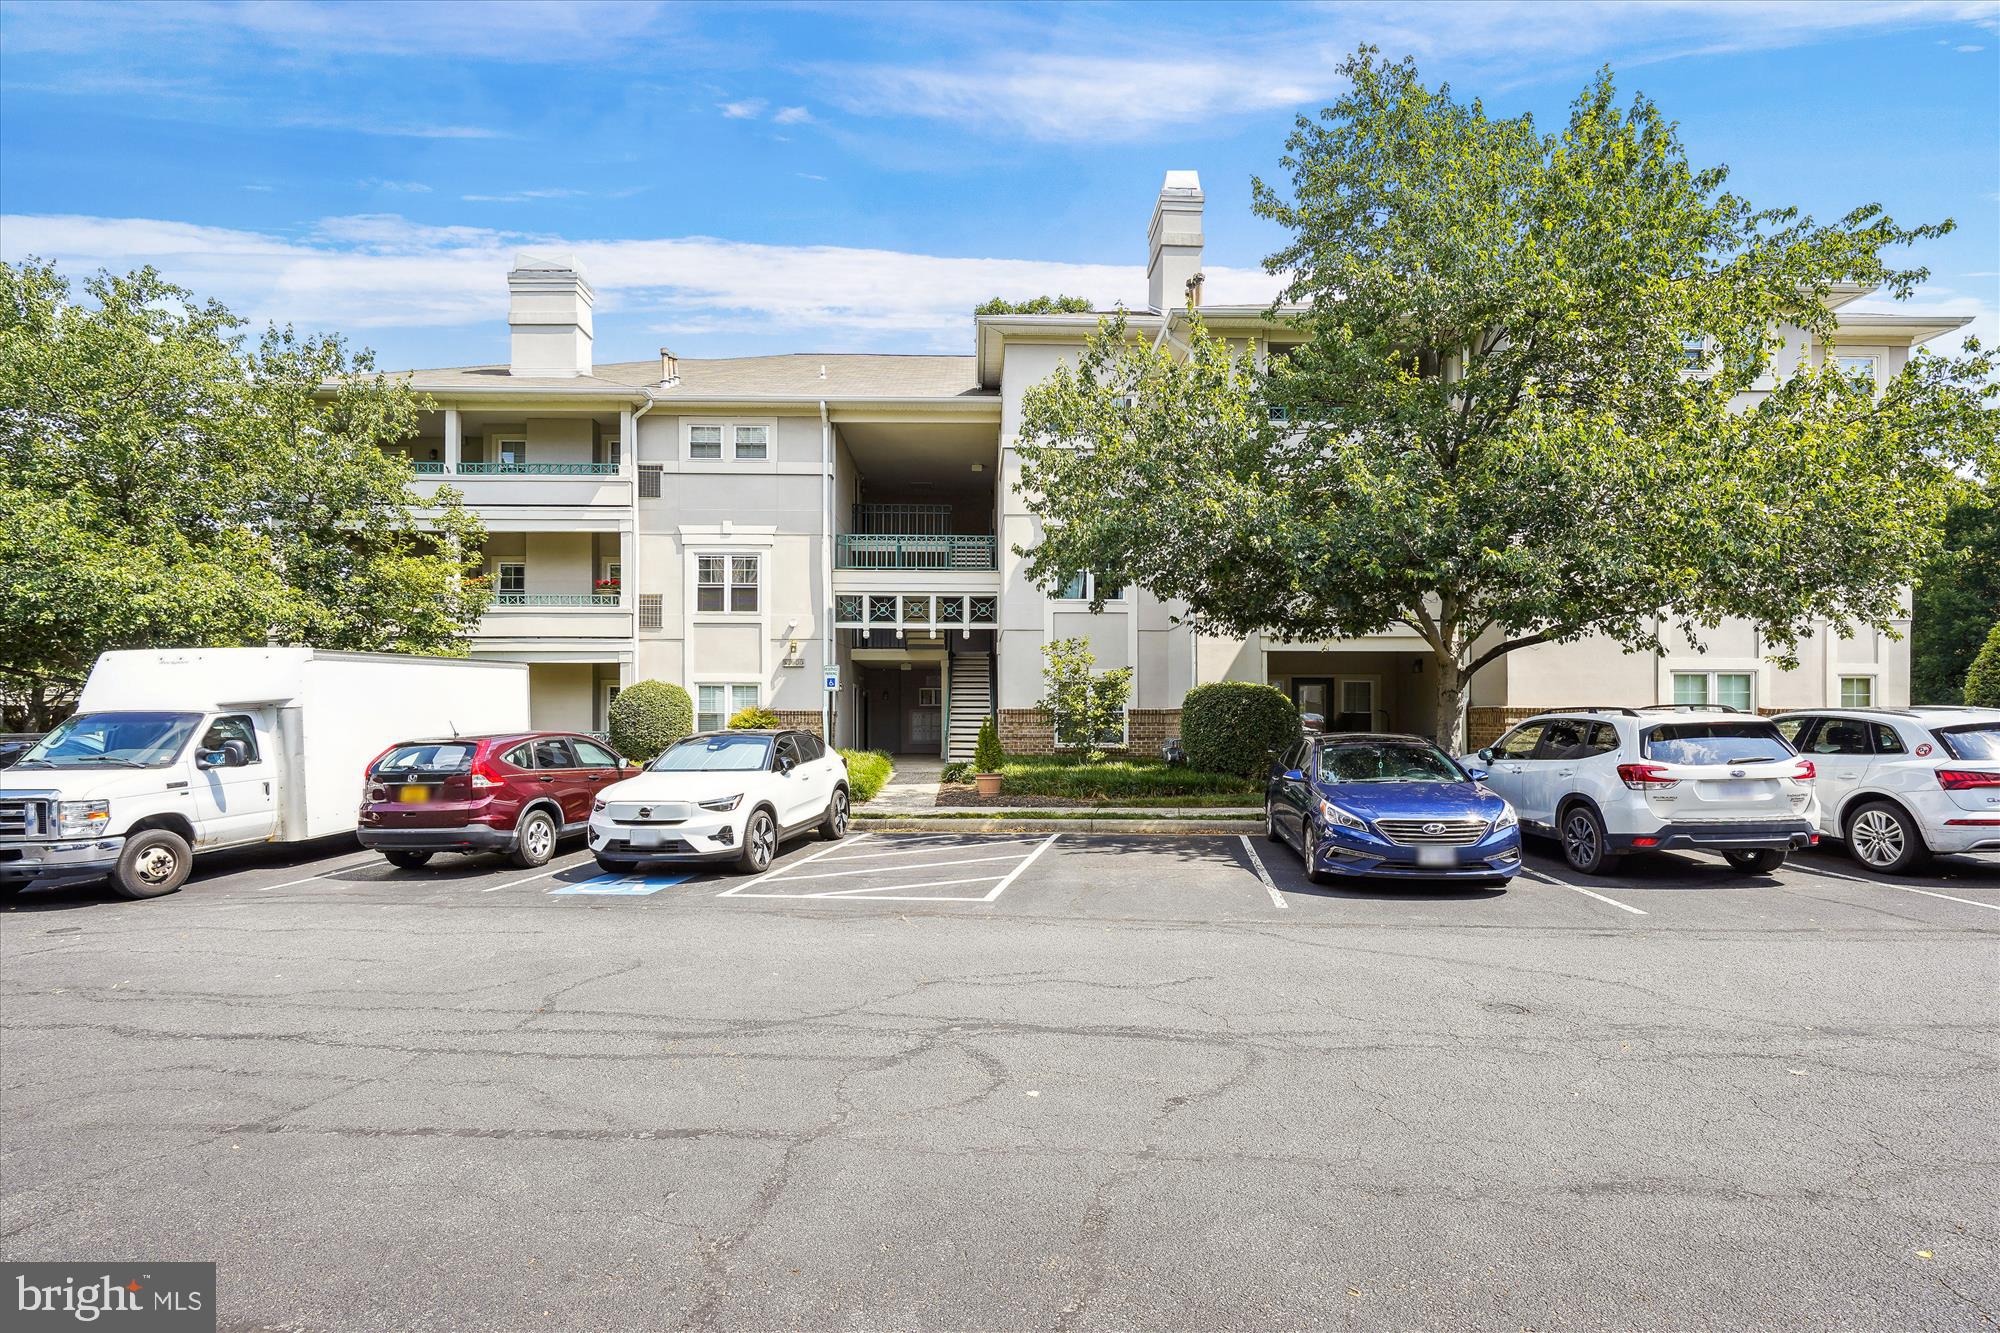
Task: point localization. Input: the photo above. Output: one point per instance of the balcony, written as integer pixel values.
(429, 468)
(555, 599)
(914, 550)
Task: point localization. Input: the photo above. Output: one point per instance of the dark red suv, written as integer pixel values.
(516, 794)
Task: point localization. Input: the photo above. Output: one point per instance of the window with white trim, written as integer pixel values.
(1694, 351)
(704, 441)
(1083, 588)
(510, 576)
(512, 452)
(727, 582)
(612, 451)
(716, 704)
(1857, 691)
(1857, 366)
(753, 443)
(1731, 689)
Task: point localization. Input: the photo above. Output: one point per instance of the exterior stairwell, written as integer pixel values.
(971, 704)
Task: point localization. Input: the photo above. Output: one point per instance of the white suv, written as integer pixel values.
(1900, 784)
(1607, 781)
(722, 796)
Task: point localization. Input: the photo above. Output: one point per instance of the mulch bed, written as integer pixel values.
(955, 793)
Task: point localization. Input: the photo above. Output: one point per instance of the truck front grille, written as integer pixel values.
(1432, 832)
(25, 819)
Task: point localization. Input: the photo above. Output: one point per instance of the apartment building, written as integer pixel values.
(752, 527)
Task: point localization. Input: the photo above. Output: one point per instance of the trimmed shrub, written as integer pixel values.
(959, 772)
(1982, 681)
(1233, 725)
(867, 770)
(648, 717)
(987, 756)
(753, 719)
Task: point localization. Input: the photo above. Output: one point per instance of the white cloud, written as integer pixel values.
(521, 196)
(807, 175)
(389, 128)
(394, 187)
(748, 109)
(792, 115)
(382, 271)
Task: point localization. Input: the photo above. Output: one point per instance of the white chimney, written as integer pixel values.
(548, 316)
(1173, 243)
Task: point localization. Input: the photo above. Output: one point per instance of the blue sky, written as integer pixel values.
(816, 177)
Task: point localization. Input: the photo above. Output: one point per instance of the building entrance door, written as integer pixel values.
(1314, 694)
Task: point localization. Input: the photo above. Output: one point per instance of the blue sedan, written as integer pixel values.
(1388, 807)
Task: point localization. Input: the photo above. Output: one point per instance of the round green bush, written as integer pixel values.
(753, 719)
(1982, 680)
(648, 717)
(1233, 726)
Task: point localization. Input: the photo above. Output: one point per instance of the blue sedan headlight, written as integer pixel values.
(1336, 817)
(1508, 819)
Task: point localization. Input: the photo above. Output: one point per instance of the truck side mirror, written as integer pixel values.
(235, 754)
(210, 759)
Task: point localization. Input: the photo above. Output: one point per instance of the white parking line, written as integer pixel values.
(1887, 884)
(740, 890)
(1578, 888)
(1015, 873)
(529, 879)
(890, 888)
(345, 865)
(900, 892)
(929, 849)
(921, 865)
(1257, 864)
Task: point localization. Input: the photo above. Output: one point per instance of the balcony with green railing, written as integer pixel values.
(430, 467)
(549, 599)
(914, 550)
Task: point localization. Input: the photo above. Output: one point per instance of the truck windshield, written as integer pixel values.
(1716, 743)
(717, 754)
(113, 740)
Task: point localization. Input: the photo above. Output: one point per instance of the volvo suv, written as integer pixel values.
(1605, 782)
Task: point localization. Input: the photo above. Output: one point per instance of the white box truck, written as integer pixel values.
(176, 752)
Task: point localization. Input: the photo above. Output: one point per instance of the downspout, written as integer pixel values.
(631, 560)
(826, 569)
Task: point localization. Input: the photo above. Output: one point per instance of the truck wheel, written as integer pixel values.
(1883, 838)
(834, 827)
(1760, 862)
(1583, 842)
(155, 862)
(409, 860)
(760, 843)
(534, 840)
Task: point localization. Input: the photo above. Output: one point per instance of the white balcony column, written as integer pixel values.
(452, 438)
(628, 443)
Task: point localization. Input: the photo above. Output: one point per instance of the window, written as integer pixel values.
(1886, 740)
(1714, 743)
(716, 754)
(553, 754)
(521, 756)
(753, 442)
(704, 441)
(614, 571)
(1857, 691)
(1520, 742)
(1838, 735)
(788, 748)
(511, 452)
(652, 611)
(708, 585)
(811, 746)
(510, 578)
(590, 754)
(738, 594)
(1694, 351)
(743, 582)
(1563, 739)
(1084, 587)
(1730, 689)
(226, 729)
(715, 704)
(1862, 367)
(649, 481)
(611, 451)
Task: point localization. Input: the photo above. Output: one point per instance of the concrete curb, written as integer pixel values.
(1167, 827)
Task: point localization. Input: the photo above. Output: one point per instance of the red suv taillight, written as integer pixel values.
(1805, 772)
(483, 776)
(368, 772)
(1646, 777)
(1965, 779)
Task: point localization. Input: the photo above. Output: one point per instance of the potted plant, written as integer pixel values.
(987, 758)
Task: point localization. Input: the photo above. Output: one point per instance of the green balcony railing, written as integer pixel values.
(427, 468)
(538, 469)
(913, 550)
(603, 599)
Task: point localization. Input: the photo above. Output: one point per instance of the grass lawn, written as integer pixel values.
(867, 770)
(1135, 780)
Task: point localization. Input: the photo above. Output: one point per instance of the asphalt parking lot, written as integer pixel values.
(1065, 1081)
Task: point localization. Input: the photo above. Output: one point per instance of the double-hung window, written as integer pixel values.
(704, 441)
(1857, 366)
(1085, 587)
(510, 578)
(753, 443)
(716, 704)
(1694, 352)
(1730, 689)
(510, 453)
(1857, 691)
(726, 582)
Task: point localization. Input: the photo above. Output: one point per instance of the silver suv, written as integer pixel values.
(1607, 781)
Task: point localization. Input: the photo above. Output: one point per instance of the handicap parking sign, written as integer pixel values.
(621, 886)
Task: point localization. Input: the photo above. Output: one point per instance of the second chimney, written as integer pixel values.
(1173, 243)
(548, 317)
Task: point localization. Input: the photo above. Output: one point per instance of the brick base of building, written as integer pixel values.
(1027, 730)
(1483, 726)
(801, 721)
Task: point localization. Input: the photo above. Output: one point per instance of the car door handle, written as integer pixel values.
(1565, 772)
(547, 779)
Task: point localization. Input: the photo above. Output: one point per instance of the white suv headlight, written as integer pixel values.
(1508, 819)
(597, 807)
(1333, 814)
(82, 818)
(722, 802)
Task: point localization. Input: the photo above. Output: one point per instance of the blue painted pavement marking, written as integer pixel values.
(623, 886)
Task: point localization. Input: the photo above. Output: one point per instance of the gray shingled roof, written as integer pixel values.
(796, 375)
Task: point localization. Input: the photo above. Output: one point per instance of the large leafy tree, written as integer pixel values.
(1956, 600)
(166, 483)
(1487, 431)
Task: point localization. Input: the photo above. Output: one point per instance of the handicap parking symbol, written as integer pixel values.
(621, 886)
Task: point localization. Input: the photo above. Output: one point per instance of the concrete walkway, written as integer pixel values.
(912, 788)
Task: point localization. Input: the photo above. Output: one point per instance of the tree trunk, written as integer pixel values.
(1446, 717)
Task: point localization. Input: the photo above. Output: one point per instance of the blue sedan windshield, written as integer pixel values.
(1386, 761)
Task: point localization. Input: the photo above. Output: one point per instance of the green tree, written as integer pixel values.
(1956, 599)
(987, 756)
(1037, 305)
(1982, 679)
(165, 484)
(1486, 431)
(1083, 704)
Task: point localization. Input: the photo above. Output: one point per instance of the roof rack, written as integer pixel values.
(1586, 708)
(1691, 708)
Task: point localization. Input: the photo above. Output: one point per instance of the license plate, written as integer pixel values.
(646, 837)
(413, 795)
(1436, 858)
(1734, 791)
